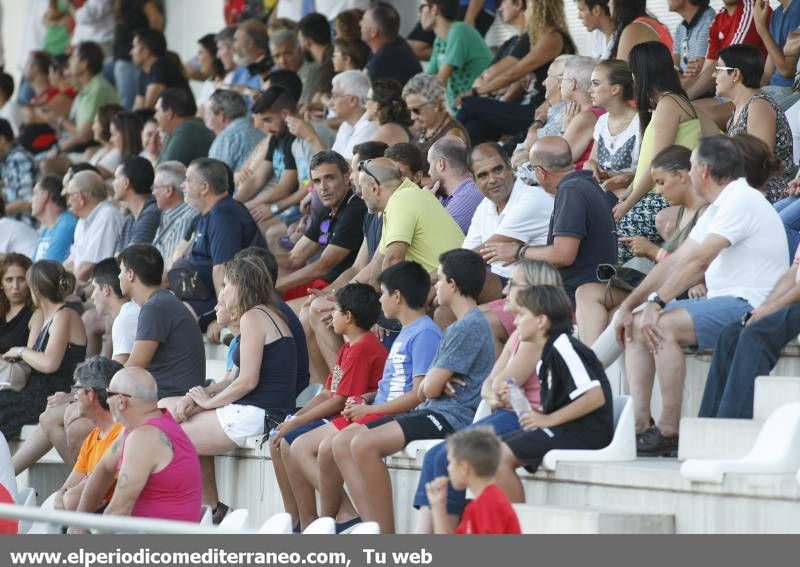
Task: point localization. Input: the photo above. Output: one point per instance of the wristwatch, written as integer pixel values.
(653, 297)
(274, 208)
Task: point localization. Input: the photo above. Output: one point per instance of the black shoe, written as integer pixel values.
(652, 443)
(219, 513)
(347, 525)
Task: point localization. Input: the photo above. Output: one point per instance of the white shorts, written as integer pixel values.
(240, 422)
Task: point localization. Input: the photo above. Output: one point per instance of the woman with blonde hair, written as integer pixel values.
(425, 99)
(517, 362)
(223, 416)
(487, 119)
(52, 355)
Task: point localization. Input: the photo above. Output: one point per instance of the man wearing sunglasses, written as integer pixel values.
(91, 397)
(153, 443)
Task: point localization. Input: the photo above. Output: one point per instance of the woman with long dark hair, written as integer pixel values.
(633, 25)
(16, 305)
(52, 355)
(126, 134)
(666, 117)
(385, 105)
(211, 66)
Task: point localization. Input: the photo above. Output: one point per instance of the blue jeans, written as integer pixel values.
(126, 78)
(740, 356)
(435, 463)
(789, 211)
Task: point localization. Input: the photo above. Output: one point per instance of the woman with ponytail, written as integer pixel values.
(52, 355)
(385, 105)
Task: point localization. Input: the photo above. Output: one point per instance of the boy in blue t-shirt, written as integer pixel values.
(450, 391)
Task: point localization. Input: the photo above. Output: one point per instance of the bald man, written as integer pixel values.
(99, 224)
(415, 224)
(159, 472)
(582, 232)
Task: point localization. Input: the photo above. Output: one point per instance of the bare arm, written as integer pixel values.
(434, 382)
(560, 254)
(394, 253)
(258, 174)
(144, 448)
(331, 256)
(761, 122)
(546, 49)
(704, 81)
(48, 361)
(142, 354)
(579, 133)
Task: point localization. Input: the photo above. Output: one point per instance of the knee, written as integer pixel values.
(362, 446)
(51, 418)
(72, 498)
(341, 446)
(325, 452)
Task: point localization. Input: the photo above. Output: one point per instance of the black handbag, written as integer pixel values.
(185, 282)
(619, 276)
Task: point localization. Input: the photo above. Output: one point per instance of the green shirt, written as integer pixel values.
(417, 218)
(92, 96)
(189, 141)
(464, 50)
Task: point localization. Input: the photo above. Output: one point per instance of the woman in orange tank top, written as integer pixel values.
(633, 25)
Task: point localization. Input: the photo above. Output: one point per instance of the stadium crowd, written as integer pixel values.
(474, 212)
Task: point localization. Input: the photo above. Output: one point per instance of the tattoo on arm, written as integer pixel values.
(164, 440)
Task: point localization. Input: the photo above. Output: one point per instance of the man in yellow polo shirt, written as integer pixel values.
(415, 225)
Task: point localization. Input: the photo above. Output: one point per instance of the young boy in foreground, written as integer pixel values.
(473, 456)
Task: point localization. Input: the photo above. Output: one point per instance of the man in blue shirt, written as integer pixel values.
(774, 32)
(225, 227)
(49, 207)
(226, 116)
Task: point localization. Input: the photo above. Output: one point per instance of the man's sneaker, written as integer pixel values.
(652, 443)
(219, 512)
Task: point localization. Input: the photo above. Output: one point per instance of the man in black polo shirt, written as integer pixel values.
(337, 230)
(582, 233)
(392, 57)
(159, 72)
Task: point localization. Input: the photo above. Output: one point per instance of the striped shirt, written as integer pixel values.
(174, 223)
(462, 203)
(18, 173)
(691, 38)
(730, 29)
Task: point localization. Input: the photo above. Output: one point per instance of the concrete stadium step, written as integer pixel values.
(771, 392)
(215, 352)
(576, 520)
(713, 438)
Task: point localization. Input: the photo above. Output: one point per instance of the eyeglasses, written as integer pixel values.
(110, 394)
(534, 167)
(162, 186)
(417, 110)
(362, 166)
(721, 68)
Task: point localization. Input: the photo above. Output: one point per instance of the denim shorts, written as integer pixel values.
(290, 216)
(710, 316)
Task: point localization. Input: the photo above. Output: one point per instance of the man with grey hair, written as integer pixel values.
(452, 181)
(582, 233)
(287, 53)
(176, 214)
(251, 54)
(575, 83)
(90, 399)
(99, 224)
(348, 101)
(225, 227)
(226, 116)
(153, 442)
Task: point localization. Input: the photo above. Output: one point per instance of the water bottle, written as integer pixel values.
(517, 398)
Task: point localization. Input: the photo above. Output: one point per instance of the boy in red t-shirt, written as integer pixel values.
(473, 456)
(358, 369)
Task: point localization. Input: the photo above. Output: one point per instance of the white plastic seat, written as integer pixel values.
(26, 497)
(307, 395)
(365, 528)
(621, 448)
(45, 527)
(236, 520)
(776, 451)
(278, 524)
(207, 517)
(321, 526)
(413, 449)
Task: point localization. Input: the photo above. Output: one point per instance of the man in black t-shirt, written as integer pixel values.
(336, 230)
(582, 232)
(159, 72)
(392, 57)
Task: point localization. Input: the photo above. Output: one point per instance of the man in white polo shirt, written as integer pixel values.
(99, 224)
(738, 248)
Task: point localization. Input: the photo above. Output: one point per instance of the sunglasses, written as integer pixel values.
(417, 110)
(363, 166)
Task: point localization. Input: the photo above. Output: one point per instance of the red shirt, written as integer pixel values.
(358, 368)
(490, 513)
(729, 29)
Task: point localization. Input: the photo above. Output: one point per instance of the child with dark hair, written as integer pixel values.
(449, 393)
(357, 371)
(577, 406)
(473, 457)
